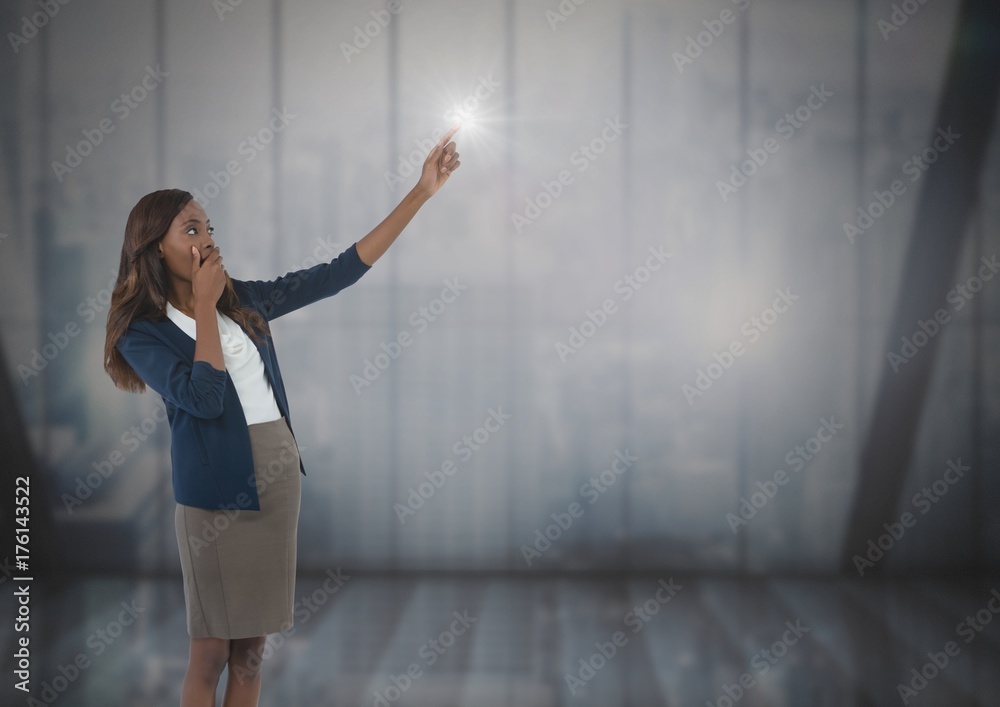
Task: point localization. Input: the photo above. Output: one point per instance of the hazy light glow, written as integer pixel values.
(479, 133)
(476, 102)
(466, 118)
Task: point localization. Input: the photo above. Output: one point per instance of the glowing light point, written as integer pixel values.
(464, 118)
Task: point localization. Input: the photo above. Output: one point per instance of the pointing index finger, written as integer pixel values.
(447, 136)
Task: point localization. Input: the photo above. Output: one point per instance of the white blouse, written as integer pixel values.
(243, 362)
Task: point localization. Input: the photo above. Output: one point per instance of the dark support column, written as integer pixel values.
(946, 203)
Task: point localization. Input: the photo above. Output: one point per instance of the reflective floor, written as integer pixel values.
(533, 642)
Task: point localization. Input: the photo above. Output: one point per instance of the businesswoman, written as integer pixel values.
(181, 325)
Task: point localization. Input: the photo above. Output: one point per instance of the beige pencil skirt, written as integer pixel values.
(239, 565)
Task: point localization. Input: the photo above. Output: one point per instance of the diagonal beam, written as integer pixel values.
(947, 201)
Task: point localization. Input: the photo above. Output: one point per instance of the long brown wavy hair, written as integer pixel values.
(143, 284)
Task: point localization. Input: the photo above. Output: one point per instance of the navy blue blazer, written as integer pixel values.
(210, 453)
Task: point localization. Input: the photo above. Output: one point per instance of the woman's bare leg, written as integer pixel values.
(243, 681)
(205, 663)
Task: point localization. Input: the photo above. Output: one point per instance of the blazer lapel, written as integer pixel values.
(186, 345)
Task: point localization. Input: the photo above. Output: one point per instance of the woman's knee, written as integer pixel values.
(248, 654)
(209, 656)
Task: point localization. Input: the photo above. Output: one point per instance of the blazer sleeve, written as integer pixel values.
(301, 287)
(198, 388)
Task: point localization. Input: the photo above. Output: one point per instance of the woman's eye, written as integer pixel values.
(192, 229)
(211, 229)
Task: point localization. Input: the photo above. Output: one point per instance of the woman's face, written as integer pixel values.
(190, 227)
